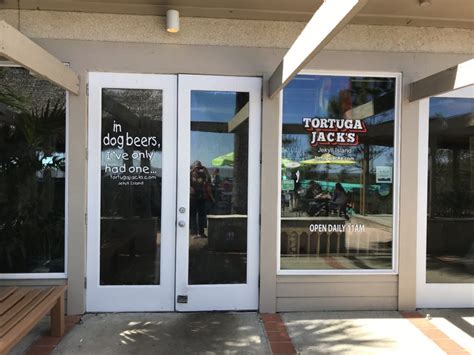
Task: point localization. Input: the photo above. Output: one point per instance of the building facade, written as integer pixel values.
(173, 182)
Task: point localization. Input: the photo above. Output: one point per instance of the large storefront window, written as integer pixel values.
(32, 173)
(337, 168)
(450, 234)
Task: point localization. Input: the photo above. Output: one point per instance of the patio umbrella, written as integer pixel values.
(328, 159)
(289, 164)
(228, 160)
(224, 160)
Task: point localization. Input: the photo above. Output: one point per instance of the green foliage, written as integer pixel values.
(31, 225)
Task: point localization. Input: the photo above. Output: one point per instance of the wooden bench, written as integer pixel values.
(21, 308)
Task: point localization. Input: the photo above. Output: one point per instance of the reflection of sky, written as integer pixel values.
(310, 96)
(211, 106)
(450, 106)
(47, 162)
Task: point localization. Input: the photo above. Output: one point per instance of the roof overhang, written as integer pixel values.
(326, 23)
(18, 48)
(453, 78)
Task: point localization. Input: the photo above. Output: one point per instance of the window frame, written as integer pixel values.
(50, 275)
(433, 295)
(396, 179)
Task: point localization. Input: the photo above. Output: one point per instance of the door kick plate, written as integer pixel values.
(182, 299)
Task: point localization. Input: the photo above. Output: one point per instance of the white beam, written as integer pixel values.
(326, 22)
(239, 118)
(453, 78)
(18, 48)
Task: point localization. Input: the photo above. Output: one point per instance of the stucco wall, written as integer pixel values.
(85, 56)
(101, 42)
(229, 32)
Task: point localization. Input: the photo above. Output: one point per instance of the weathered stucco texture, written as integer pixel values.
(229, 32)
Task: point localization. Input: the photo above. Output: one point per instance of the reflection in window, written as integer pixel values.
(218, 187)
(450, 234)
(337, 173)
(130, 238)
(32, 173)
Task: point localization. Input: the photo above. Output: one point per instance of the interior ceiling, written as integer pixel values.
(441, 13)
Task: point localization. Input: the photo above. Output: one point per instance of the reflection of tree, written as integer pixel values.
(450, 183)
(361, 91)
(31, 199)
(292, 148)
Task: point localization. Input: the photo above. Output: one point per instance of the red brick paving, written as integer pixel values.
(436, 335)
(277, 334)
(46, 343)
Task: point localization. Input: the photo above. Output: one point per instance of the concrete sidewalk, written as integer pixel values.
(245, 333)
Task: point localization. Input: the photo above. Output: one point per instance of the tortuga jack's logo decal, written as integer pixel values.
(332, 131)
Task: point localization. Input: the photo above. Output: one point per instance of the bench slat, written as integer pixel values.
(11, 300)
(15, 334)
(21, 309)
(6, 291)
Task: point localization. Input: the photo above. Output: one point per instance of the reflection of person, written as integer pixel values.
(200, 196)
(316, 199)
(339, 200)
(216, 178)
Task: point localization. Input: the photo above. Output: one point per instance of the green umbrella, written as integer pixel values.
(328, 159)
(289, 164)
(224, 160)
(228, 160)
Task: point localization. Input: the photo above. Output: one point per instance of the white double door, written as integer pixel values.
(173, 192)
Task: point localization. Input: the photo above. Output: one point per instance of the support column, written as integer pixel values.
(270, 200)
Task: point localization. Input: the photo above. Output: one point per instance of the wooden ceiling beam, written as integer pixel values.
(18, 48)
(327, 22)
(453, 78)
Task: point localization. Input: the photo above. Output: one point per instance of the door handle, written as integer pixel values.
(182, 224)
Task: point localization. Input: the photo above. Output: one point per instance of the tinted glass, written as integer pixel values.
(130, 236)
(218, 187)
(32, 173)
(450, 234)
(337, 173)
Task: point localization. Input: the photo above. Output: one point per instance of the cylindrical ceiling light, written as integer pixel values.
(172, 21)
(425, 3)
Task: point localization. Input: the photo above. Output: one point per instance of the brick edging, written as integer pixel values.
(277, 334)
(435, 334)
(46, 343)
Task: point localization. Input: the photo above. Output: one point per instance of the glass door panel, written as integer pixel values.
(218, 189)
(132, 125)
(446, 244)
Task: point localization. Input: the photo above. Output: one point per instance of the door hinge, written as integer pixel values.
(87, 153)
(85, 282)
(85, 218)
(87, 89)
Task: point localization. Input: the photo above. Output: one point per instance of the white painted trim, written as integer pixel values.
(339, 272)
(34, 276)
(396, 179)
(115, 298)
(278, 192)
(52, 275)
(434, 295)
(221, 296)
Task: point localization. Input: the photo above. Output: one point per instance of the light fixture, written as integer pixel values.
(172, 21)
(424, 3)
